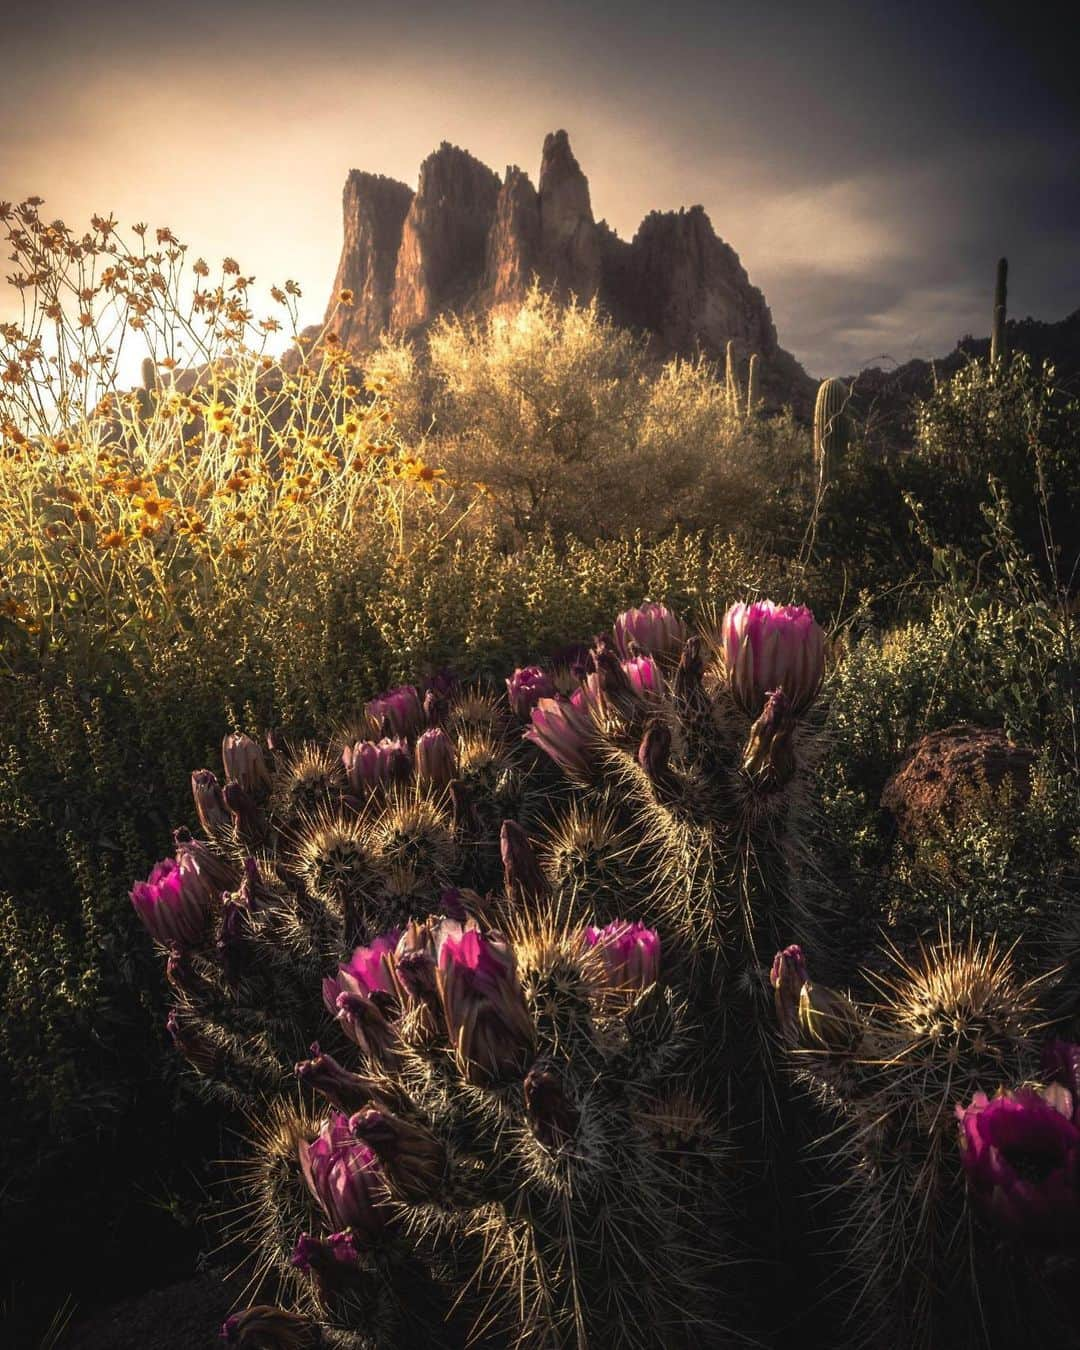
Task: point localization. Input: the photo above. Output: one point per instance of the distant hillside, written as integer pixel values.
(883, 398)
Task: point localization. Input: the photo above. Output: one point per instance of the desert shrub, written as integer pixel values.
(571, 426)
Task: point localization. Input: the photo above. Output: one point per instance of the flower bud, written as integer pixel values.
(172, 903)
(332, 1262)
(691, 671)
(522, 875)
(415, 966)
(553, 1117)
(654, 753)
(245, 763)
(463, 809)
(368, 971)
(563, 732)
(413, 1160)
(769, 757)
(1061, 1065)
(199, 1052)
(262, 1327)
(209, 802)
(242, 808)
(653, 629)
(769, 646)
(644, 676)
(436, 758)
(398, 711)
(345, 1179)
(365, 1021)
(788, 976)
(376, 764)
(182, 976)
(526, 687)
(828, 1020)
(322, 1073)
(486, 1018)
(201, 864)
(629, 953)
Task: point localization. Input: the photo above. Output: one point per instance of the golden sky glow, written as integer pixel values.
(236, 126)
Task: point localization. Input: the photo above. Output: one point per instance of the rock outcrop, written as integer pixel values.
(948, 773)
(465, 243)
(374, 209)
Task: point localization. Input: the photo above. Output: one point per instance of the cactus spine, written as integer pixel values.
(830, 426)
(997, 332)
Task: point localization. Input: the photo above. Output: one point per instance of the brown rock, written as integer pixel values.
(374, 209)
(513, 246)
(946, 771)
(440, 263)
(570, 262)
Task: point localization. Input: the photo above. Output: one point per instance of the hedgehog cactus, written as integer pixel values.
(490, 977)
(831, 426)
(937, 1173)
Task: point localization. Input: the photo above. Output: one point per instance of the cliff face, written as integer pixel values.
(466, 243)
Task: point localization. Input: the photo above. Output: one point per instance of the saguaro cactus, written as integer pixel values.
(830, 425)
(997, 332)
(731, 378)
(753, 393)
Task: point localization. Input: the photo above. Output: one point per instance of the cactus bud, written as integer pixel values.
(436, 758)
(523, 878)
(415, 966)
(200, 863)
(486, 1018)
(413, 1160)
(398, 710)
(209, 802)
(365, 1021)
(376, 764)
(653, 629)
(768, 647)
(644, 676)
(553, 1117)
(322, 1073)
(787, 977)
(629, 952)
(345, 1179)
(331, 1261)
(234, 940)
(526, 687)
(244, 762)
(367, 971)
(654, 753)
(263, 1327)
(691, 670)
(829, 1020)
(242, 807)
(769, 757)
(563, 732)
(181, 975)
(436, 707)
(192, 1044)
(171, 902)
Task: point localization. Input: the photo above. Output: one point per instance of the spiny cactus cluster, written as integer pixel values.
(488, 974)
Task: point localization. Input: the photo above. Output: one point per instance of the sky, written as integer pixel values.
(868, 162)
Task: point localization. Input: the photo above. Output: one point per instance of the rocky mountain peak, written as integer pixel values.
(465, 242)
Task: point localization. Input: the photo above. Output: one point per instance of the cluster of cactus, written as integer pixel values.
(489, 975)
(744, 408)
